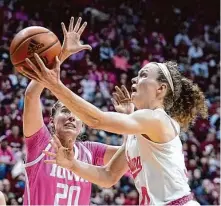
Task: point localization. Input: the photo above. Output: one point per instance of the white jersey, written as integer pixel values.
(158, 169)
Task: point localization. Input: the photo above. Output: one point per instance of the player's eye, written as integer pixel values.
(143, 74)
(65, 111)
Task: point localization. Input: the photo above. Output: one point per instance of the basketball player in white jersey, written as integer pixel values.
(165, 102)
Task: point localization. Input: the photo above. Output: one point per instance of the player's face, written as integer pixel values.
(65, 123)
(145, 87)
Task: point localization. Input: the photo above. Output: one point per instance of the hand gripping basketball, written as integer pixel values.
(47, 77)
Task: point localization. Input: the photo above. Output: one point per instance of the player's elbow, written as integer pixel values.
(109, 183)
(96, 122)
(93, 123)
(111, 178)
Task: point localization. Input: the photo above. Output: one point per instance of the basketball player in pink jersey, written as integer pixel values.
(52, 184)
(165, 102)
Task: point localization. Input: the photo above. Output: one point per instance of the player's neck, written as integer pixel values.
(64, 141)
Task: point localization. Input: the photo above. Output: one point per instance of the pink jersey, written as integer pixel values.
(48, 184)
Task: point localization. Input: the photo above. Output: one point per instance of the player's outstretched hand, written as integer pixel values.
(39, 72)
(72, 43)
(62, 156)
(122, 100)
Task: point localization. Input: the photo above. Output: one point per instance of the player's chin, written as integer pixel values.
(72, 131)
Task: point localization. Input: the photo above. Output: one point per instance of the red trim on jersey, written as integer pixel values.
(181, 201)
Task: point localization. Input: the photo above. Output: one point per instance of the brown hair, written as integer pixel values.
(55, 107)
(187, 101)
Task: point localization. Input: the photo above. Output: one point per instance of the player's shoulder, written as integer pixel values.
(87, 143)
(156, 116)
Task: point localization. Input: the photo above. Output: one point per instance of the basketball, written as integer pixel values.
(34, 39)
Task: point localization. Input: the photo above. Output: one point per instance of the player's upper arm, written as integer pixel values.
(32, 115)
(140, 122)
(117, 166)
(109, 153)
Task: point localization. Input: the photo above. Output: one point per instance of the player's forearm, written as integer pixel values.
(33, 90)
(87, 112)
(105, 176)
(95, 174)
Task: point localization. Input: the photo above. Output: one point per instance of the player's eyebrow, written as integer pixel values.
(141, 71)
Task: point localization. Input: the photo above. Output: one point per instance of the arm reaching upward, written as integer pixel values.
(139, 122)
(32, 115)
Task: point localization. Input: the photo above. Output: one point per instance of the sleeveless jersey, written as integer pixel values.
(50, 184)
(158, 170)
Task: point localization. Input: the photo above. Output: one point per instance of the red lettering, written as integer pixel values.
(145, 197)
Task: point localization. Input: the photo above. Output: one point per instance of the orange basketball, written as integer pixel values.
(34, 39)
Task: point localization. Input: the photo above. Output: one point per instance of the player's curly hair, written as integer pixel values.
(188, 100)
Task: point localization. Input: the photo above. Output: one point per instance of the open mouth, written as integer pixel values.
(70, 125)
(133, 89)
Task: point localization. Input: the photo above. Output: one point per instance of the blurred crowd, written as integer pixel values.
(125, 35)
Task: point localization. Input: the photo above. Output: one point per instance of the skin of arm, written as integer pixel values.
(32, 115)
(104, 176)
(139, 122)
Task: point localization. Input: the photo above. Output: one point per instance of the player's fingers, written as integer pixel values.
(40, 62)
(71, 25)
(30, 64)
(116, 98)
(86, 47)
(81, 30)
(64, 28)
(57, 141)
(57, 64)
(34, 67)
(77, 24)
(50, 161)
(125, 91)
(114, 102)
(54, 145)
(119, 92)
(29, 74)
(50, 154)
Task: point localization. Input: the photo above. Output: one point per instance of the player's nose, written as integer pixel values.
(71, 118)
(134, 80)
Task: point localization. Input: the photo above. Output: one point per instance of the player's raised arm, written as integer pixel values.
(32, 115)
(138, 122)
